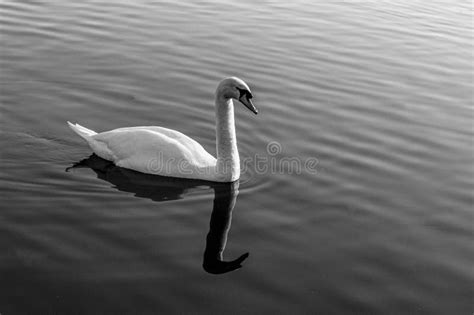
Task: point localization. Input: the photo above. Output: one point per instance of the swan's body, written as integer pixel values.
(166, 152)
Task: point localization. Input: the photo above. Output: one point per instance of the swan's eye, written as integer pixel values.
(244, 93)
(241, 91)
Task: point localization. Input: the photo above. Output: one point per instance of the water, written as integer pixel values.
(377, 94)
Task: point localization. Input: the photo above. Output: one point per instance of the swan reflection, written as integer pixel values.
(221, 217)
(159, 188)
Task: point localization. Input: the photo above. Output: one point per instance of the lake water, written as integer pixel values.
(376, 95)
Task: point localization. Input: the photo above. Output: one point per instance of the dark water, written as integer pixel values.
(377, 94)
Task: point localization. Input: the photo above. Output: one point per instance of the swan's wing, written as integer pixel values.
(164, 131)
(143, 148)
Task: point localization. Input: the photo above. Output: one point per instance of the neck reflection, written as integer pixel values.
(160, 188)
(221, 218)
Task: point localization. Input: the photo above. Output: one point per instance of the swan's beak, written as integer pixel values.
(245, 99)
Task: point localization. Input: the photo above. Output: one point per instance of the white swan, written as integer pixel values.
(166, 152)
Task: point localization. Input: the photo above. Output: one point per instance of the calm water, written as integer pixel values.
(379, 94)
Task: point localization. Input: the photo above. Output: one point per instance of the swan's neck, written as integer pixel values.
(228, 164)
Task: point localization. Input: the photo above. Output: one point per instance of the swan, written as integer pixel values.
(167, 152)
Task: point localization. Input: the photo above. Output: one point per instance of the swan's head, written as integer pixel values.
(237, 89)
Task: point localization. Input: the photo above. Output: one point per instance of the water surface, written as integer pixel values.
(379, 94)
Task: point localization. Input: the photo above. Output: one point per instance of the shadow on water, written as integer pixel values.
(160, 188)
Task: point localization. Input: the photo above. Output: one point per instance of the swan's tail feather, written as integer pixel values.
(81, 131)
